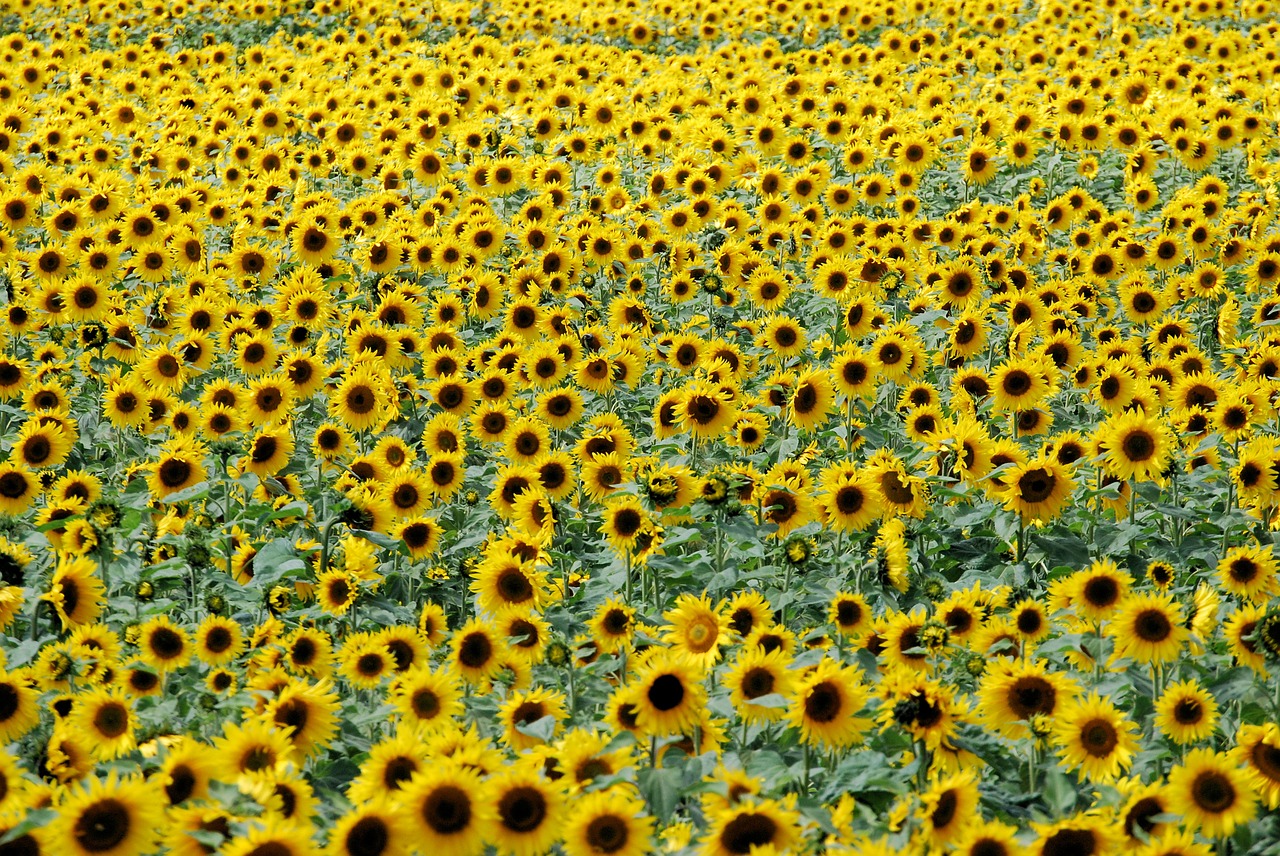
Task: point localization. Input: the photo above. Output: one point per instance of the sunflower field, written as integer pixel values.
(728, 429)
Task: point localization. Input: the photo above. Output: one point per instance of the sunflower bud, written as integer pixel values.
(144, 591)
(197, 554)
(94, 335)
(557, 653)
(934, 636)
(279, 599)
(933, 589)
(1267, 634)
(223, 449)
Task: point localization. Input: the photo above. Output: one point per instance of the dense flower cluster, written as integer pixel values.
(523, 427)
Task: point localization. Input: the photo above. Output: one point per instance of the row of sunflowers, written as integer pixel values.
(727, 429)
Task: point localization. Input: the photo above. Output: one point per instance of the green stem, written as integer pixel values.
(324, 546)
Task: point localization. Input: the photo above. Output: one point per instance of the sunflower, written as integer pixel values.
(1212, 792)
(980, 162)
(1258, 751)
(477, 652)
(987, 838)
(366, 661)
(511, 481)
(17, 791)
(696, 630)
(1149, 628)
(761, 675)
(826, 703)
(524, 709)
(376, 828)
(269, 400)
(534, 515)
(360, 400)
(433, 625)
(851, 614)
(76, 593)
(123, 405)
(425, 698)
(706, 410)
(750, 824)
(505, 580)
(40, 446)
(812, 399)
(527, 812)
(306, 713)
(1011, 693)
(1038, 490)
(667, 695)
(278, 836)
(18, 488)
(255, 748)
(1097, 592)
(269, 452)
(1094, 737)
(19, 710)
(1186, 712)
(407, 492)
(613, 626)
(443, 479)
(788, 506)
(447, 810)
(104, 817)
(69, 758)
(164, 645)
(608, 823)
(902, 494)
(420, 536)
(1141, 811)
(107, 717)
(924, 708)
(186, 771)
(556, 474)
(391, 764)
(850, 502)
(949, 806)
(783, 336)
(1136, 446)
(178, 468)
(1083, 834)
(1249, 572)
(1240, 630)
(1019, 385)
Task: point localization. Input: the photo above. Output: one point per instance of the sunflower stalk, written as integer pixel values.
(35, 619)
(626, 581)
(324, 546)
(922, 765)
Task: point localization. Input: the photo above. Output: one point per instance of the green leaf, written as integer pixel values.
(196, 491)
(661, 790)
(34, 820)
(377, 538)
(1059, 792)
(543, 729)
(60, 523)
(772, 700)
(23, 652)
